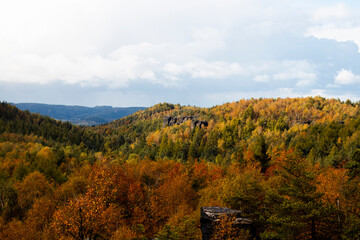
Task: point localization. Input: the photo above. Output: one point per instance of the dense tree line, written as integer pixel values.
(290, 165)
(325, 131)
(13, 120)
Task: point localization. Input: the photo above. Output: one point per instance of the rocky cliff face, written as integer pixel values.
(211, 216)
(171, 121)
(198, 123)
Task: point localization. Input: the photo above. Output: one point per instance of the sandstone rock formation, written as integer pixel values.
(171, 121)
(198, 123)
(211, 216)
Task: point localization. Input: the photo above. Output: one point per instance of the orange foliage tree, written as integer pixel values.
(84, 217)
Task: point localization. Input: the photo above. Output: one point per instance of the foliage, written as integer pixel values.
(290, 165)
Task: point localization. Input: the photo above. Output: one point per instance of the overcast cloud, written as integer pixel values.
(202, 52)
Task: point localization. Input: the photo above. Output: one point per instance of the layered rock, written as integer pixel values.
(211, 216)
(171, 121)
(198, 123)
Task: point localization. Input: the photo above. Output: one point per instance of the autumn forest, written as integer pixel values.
(290, 165)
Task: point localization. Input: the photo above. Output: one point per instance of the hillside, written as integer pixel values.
(320, 129)
(291, 166)
(79, 115)
(13, 120)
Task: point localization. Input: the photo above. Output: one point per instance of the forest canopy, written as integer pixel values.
(290, 165)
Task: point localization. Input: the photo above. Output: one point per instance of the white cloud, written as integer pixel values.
(227, 44)
(230, 96)
(262, 78)
(202, 42)
(306, 80)
(325, 94)
(346, 77)
(340, 34)
(301, 71)
(303, 78)
(203, 69)
(88, 71)
(337, 11)
(223, 97)
(338, 22)
(113, 43)
(128, 63)
(167, 64)
(331, 85)
(173, 69)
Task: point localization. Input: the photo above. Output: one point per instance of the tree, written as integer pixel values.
(38, 220)
(351, 208)
(194, 149)
(354, 164)
(173, 194)
(163, 151)
(259, 149)
(295, 207)
(32, 187)
(84, 217)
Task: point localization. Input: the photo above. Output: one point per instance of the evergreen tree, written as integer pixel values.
(295, 206)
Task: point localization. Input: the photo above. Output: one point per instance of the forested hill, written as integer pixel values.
(13, 120)
(80, 115)
(291, 166)
(323, 130)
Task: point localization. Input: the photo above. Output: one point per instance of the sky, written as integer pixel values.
(191, 52)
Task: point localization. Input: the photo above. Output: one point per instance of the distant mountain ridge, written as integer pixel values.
(80, 115)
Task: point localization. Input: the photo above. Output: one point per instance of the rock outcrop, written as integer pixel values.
(198, 123)
(171, 121)
(211, 216)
